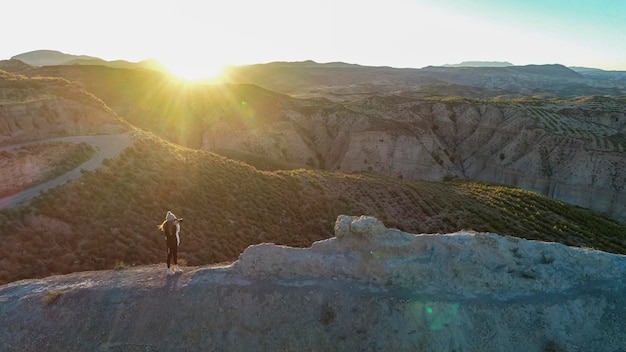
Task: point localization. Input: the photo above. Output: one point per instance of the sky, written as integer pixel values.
(196, 38)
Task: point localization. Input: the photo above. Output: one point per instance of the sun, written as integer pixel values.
(194, 70)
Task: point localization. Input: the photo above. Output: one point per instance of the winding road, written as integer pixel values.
(107, 146)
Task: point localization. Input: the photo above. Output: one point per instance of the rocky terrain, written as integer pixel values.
(35, 110)
(538, 127)
(31, 168)
(570, 150)
(566, 142)
(39, 108)
(369, 288)
(25, 166)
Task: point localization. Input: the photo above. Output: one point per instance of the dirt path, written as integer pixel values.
(107, 146)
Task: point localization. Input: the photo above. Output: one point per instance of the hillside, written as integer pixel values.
(393, 122)
(25, 166)
(43, 107)
(108, 217)
(54, 57)
(368, 288)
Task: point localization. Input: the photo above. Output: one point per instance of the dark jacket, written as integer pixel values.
(170, 228)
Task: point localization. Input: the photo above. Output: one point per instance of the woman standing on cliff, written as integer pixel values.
(171, 228)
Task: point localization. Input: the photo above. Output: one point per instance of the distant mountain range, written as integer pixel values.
(49, 57)
(53, 57)
(298, 78)
(481, 64)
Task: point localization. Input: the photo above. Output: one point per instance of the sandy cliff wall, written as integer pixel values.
(566, 153)
(29, 165)
(39, 108)
(367, 289)
(54, 117)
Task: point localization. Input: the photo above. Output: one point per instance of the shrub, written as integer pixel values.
(119, 265)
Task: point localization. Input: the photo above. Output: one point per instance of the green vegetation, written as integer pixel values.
(120, 265)
(259, 162)
(74, 156)
(525, 214)
(111, 215)
(598, 135)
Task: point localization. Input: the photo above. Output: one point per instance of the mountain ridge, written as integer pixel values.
(480, 64)
(55, 58)
(49, 57)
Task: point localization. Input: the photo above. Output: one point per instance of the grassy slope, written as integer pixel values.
(110, 215)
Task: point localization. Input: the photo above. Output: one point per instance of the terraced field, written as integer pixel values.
(596, 134)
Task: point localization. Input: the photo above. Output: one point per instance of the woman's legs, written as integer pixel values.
(176, 269)
(172, 255)
(174, 252)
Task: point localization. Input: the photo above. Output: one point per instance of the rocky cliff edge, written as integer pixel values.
(370, 288)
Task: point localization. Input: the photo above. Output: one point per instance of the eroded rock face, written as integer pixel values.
(29, 165)
(463, 263)
(370, 288)
(38, 108)
(573, 152)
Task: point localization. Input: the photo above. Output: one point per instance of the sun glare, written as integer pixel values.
(194, 71)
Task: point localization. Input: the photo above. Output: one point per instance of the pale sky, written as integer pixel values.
(197, 37)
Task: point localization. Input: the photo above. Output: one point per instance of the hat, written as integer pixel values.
(170, 216)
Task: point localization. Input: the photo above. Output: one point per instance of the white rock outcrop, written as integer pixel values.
(458, 264)
(370, 288)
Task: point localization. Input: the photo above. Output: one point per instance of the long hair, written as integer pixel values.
(169, 226)
(162, 226)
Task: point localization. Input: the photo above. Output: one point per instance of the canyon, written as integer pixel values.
(520, 126)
